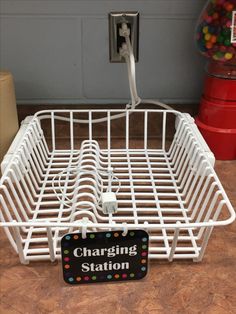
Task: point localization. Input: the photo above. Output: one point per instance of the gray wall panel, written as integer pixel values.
(58, 50)
(44, 55)
(170, 66)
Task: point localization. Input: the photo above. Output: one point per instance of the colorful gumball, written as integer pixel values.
(209, 45)
(213, 39)
(207, 37)
(228, 56)
(215, 16)
(205, 29)
(229, 7)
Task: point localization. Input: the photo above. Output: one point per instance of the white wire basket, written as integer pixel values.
(58, 166)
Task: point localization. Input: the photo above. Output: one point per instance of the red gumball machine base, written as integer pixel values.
(217, 116)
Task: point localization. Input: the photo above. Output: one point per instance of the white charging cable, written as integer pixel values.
(126, 51)
(109, 204)
(108, 198)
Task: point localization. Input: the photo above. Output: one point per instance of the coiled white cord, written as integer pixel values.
(77, 171)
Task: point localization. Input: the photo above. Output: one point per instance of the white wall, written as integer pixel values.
(58, 50)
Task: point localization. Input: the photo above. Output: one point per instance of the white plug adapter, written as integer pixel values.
(109, 203)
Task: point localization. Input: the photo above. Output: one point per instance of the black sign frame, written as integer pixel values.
(104, 256)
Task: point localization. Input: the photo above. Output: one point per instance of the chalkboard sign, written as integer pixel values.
(104, 256)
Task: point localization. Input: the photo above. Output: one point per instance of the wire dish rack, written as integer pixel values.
(163, 176)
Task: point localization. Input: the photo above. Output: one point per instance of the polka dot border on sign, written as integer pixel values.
(96, 277)
(109, 277)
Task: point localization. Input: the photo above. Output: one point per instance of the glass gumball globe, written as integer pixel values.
(215, 32)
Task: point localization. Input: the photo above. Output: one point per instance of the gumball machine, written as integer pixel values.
(216, 40)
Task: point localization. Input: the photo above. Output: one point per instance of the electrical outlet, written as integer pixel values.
(115, 21)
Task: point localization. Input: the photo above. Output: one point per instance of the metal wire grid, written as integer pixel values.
(173, 194)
